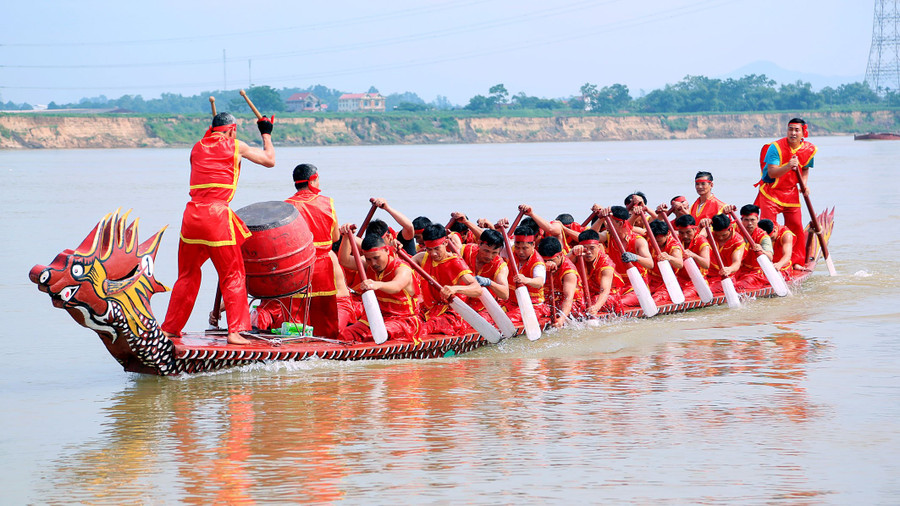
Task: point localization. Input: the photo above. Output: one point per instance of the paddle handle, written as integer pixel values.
(715, 248)
(365, 223)
(587, 222)
(552, 298)
(252, 107)
(650, 238)
(812, 214)
(611, 229)
(509, 250)
(586, 289)
(515, 223)
(212, 105)
(354, 249)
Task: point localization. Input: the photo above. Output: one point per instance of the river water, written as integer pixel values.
(795, 400)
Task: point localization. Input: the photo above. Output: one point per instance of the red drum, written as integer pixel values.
(279, 256)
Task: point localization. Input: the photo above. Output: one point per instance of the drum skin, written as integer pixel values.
(279, 256)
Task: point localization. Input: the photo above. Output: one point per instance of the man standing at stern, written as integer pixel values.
(211, 230)
(782, 163)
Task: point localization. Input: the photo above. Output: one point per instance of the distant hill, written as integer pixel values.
(782, 76)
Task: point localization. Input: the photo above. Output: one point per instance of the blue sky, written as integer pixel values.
(64, 51)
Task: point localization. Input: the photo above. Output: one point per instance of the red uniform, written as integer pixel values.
(211, 230)
(558, 276)
(750, 276)
(526, 269)
(612, 246)
(736, 243)
(488, 270)
(697, 245)
(708, 209)
(656, 284)
(780, 195)
(780, 232)
(324, 315)
(595, 273)
(400, 310)
(438, 315)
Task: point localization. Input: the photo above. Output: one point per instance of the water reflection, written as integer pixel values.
(323, 432)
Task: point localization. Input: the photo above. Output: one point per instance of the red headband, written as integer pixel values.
(225, 128)
(311, 178)
(687, 227)
(679, 199)
(588, 242)
(524, 238)
(751, 214)
(419, 230)
(378, 248)
(434, 243)
(703, 179)
(805, 129)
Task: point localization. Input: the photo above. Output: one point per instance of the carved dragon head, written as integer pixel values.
(108, 269)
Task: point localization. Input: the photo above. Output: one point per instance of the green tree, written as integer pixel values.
(499, 94)
(589, 96)
(480, 103)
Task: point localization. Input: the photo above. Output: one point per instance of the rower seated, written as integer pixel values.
(750, 276)
(490, 269)
(562, 277)
(782, 246)
(694, 246)
(731, 247)
(532, 273)
(671, 251)
(394, 286)
(603, 282)
(452, 274)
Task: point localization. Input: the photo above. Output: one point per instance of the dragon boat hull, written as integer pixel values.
(117, 308)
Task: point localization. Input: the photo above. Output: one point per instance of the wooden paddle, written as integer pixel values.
(216, 310)
(515, 223)
(450, 244)
(665, 268)
(586, 291)
(773, 276)
(370, 302)
(637, 282)
(731, 295)
(552, 299)
(471, 316)
(523, 298)
(693, 270)
(587, 222)
(365, 223)
(212, 104)
(252, 107)
(815, 224)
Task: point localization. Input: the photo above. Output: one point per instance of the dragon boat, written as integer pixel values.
(106, 283)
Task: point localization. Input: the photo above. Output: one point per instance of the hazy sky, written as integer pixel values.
(65, 50)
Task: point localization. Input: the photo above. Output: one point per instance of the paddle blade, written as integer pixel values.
(672, 286)
(643, 293)
(830, 265)
(474, 319)
(507, 329)
(731, 295)
(772, 275)
(373, 315)
(529, 317)
(706, 295)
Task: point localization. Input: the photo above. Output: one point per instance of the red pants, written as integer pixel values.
(749, 281)
(793, 220)
(399, 328)
(229, 264)
(328, 315)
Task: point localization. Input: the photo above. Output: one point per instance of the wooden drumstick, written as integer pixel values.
(252, 107)
(212, 103)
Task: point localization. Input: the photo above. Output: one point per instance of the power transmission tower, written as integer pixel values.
(883, 70)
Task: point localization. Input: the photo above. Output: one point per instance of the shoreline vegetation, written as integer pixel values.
(70, 130)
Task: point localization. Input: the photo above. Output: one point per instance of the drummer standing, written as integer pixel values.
(211, 230)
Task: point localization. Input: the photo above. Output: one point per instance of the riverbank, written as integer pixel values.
(61, 131)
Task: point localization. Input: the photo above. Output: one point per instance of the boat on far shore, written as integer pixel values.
(881, 136)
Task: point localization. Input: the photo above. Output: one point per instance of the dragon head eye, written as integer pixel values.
(147, 265)
(45, 277)
(77, 270)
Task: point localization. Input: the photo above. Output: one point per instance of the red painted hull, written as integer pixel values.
(884, 136)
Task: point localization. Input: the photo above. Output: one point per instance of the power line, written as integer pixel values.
(680, 11)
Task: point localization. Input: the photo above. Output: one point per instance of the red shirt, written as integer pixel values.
(448, 271)
(401, 303)
(566, 268)
(727, 251)
(527, 269)
(708, 209)
(697, 245)
(670, 248)
(783, 189)
(318, 211)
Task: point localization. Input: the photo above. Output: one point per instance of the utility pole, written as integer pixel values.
(224, 75)
(883, 69)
